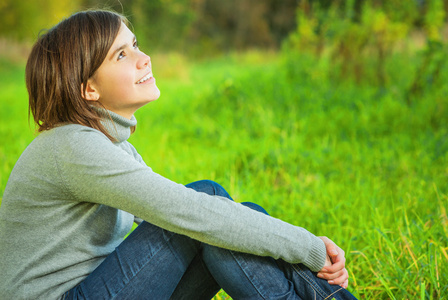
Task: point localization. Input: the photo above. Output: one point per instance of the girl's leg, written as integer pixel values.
(308, 286)
(197, 282)
(148, 264)
(246, 276)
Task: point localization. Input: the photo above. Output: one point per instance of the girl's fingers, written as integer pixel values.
(345, 284)
(338, 265)
(330, 276)
(336, 274)
(332, 249)
(341, 279)
(336, 254)
(338, 278)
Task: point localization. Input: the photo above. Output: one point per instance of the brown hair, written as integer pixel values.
(61, 61)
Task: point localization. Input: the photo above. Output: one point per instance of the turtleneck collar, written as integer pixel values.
(117, 126)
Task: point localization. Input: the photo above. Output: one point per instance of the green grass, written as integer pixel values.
(355, 163)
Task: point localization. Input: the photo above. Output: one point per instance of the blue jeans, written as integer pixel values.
(153, 263)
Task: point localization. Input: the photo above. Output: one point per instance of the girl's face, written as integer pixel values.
(124, 81)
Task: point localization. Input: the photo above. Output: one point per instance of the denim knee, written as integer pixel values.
(213, 188)
(255, 207)
(209, 187)
(218, 189)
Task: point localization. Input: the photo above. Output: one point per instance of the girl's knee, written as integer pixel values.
(255, 207)
(213, 188)
(209, 187)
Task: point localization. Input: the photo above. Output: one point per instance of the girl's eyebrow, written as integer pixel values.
(121, 48)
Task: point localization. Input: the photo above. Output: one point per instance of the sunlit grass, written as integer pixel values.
(357, 164)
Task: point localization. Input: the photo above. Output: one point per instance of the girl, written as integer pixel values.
(79, 186)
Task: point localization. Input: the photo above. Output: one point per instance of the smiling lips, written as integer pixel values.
(147, 77)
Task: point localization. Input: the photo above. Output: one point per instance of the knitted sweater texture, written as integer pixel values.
(72, 197)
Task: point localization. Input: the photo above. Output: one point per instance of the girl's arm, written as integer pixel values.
(95, 170)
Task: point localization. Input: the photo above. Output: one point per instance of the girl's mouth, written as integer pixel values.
(147, 77)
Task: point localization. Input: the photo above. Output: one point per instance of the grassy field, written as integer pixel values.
(357, 164)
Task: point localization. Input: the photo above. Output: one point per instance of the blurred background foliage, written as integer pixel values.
(357, 38)
(204, 26)
(214, 25)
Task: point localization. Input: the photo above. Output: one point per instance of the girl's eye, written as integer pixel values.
(121, 55)
(135, 44)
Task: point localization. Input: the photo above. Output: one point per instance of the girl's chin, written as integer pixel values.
(156, 94)
(153, 98)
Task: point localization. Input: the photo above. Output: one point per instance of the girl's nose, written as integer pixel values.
(143, 61)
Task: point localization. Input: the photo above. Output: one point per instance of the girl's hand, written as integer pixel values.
(334, 270)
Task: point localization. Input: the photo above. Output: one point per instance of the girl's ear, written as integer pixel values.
(91, 92)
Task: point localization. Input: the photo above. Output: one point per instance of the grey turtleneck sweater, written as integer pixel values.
(72, 197)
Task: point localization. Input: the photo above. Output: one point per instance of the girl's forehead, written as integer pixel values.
(124, 32)
(124, 38)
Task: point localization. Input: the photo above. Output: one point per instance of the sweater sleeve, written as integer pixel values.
(95, 170)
